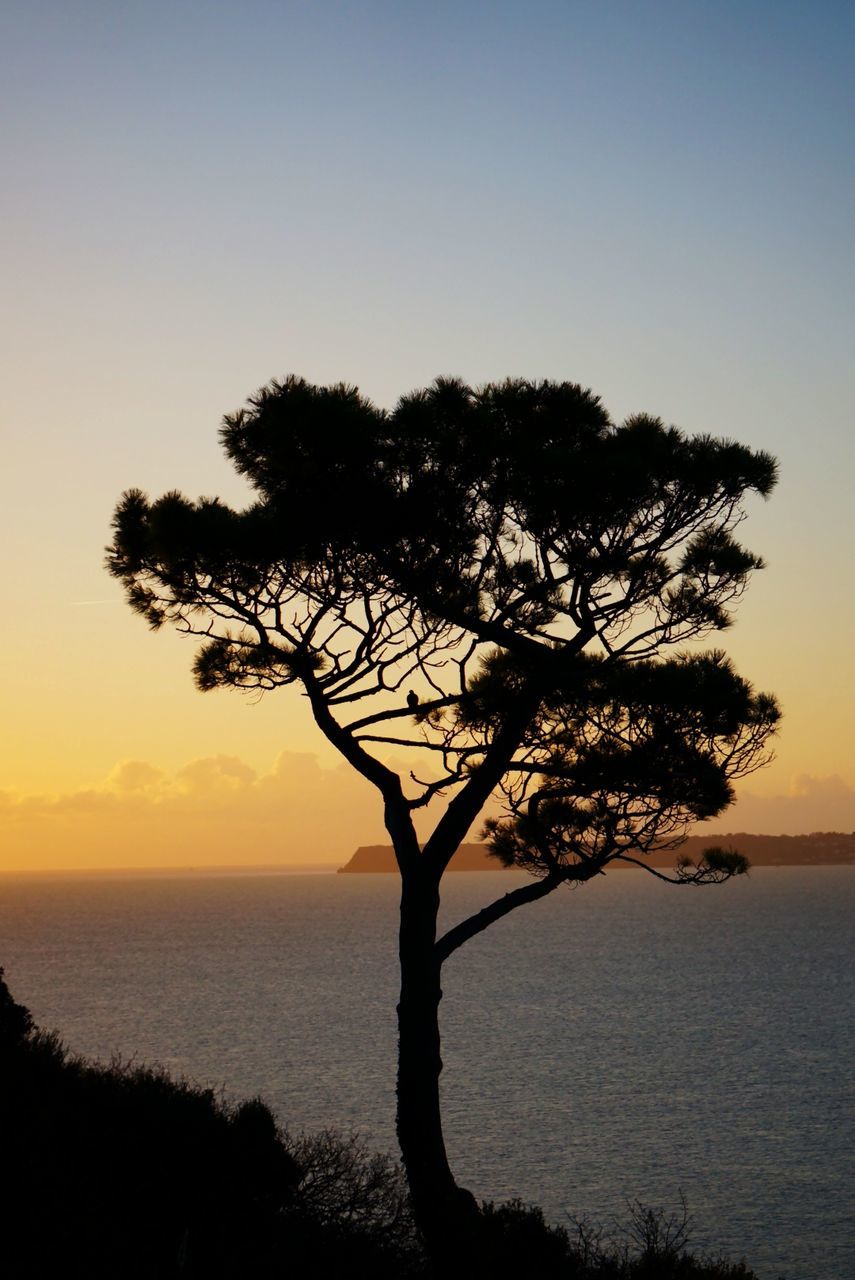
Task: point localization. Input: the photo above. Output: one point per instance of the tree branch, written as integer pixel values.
(503, 906)
(399, 823)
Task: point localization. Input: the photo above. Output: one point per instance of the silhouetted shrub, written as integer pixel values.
(518, 1242)
(652, 1246)
(352, 1206)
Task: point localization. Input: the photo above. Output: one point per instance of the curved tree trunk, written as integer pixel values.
(446, 1214)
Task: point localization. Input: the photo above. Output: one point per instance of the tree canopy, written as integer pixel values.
(508, 556)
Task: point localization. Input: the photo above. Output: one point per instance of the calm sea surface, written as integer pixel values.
(622, 1040)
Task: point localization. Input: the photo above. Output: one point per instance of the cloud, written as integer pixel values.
(214, 810)
(135, 775)
(829, 788)
(214, 774)
(810, 804)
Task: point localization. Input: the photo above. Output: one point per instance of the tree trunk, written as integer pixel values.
(446, 1214)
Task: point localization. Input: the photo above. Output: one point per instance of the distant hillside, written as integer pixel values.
(820, 848)
(379, 857)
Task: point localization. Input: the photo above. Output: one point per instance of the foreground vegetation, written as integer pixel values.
(120, 1171)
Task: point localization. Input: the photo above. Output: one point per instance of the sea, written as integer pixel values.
(621, 1041)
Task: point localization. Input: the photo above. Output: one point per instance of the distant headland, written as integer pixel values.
(820, 848)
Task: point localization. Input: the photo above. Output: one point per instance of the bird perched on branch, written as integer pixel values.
(412, 699)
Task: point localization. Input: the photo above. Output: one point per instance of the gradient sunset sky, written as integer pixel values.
(655, 200)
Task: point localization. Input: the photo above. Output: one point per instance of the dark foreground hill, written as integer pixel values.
(121, 1173)
(821, 848)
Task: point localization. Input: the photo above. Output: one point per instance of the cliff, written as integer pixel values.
(821, 848)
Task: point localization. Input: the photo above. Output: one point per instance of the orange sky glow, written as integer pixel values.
(657, 208)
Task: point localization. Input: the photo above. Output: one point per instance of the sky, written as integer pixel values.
(652, 199)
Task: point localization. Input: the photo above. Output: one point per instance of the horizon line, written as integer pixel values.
(226, 868)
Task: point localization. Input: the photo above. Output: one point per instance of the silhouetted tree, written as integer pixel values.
(498, 579)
